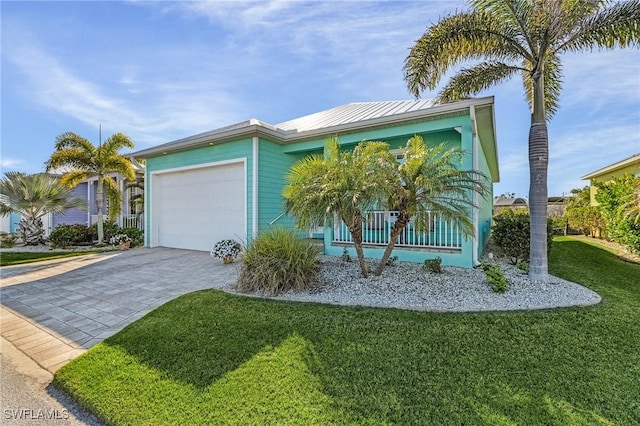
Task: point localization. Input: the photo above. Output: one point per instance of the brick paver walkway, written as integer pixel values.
(55, 310)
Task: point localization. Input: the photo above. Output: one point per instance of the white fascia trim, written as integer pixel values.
(254, 186)
(476, 209)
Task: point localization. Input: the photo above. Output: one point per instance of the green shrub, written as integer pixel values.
(136, 235)
(109, 229)
(392, 261)
(277, 261)
(433, 265)
(523, 266)
(495, 277)
(510, 234)
(7, 240)
(345, 255)
(63, 236)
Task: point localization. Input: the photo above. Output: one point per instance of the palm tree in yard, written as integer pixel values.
(525, 37)
(86, 160)
(338, 184)
(428, 180)
(32, 197)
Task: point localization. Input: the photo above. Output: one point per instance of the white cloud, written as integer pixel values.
(9, 163)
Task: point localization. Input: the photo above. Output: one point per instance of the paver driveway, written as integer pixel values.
(55, 310)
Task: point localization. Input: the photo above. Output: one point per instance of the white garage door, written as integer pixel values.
(193, 209)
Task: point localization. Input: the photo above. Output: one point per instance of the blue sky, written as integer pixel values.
(159, 71)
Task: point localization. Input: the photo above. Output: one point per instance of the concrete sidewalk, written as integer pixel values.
(55, 310)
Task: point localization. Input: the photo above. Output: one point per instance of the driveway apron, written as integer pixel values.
(55, 310)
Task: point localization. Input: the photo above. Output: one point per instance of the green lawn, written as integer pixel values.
(212, 358)
(18, 257)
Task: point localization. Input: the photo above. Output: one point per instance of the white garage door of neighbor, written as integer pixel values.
(193, 209)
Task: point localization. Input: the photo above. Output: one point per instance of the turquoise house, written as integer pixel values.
(227, 183)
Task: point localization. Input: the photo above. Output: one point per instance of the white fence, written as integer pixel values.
(378, 226)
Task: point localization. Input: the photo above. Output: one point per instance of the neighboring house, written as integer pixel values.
(630, 165)
(514, 204)
(227, 183)
(86, 190)
(555, 206)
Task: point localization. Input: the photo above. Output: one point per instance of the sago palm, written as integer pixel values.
(32, 197)
(86, 160)
(429, 180)
(337, 184)
(525, 37)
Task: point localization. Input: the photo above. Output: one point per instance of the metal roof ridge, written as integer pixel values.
(628, 160)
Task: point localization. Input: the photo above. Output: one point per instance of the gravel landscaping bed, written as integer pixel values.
(409, 286)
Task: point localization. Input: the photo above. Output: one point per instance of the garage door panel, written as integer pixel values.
(196, 208)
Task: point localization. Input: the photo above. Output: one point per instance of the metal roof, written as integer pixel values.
(353, 113)
(345, 118)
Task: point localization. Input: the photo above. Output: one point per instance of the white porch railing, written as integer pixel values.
(133, 221)
(378, 226)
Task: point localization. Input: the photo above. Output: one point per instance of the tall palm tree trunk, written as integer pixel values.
(538, 165)
(100, 202)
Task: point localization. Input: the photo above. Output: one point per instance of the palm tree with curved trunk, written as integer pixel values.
(525, 37)
(429, 180)
(86, 160)
(32, 197)
(338, 184)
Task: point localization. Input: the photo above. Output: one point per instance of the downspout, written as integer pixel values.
(476, 209)
(254, 186)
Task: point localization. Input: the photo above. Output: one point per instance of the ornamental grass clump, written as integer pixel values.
(277, 261)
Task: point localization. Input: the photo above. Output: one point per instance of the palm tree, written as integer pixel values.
(523, 37)
(338, 184)
(428, 180)
(32, 197)
(86, 160)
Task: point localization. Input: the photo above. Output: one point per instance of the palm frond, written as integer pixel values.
(70, 140)
(612, 26)
(73, 178)
(471, 81)
(457, 38)
(114, 143)
(72, 157)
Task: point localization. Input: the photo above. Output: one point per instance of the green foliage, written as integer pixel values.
(87, 160)
(511, 235)
(34, 196)
(433, 265)
(392, 261)
(523, 265)
(22, 257)
(581, 215)
(109, 230)
(345, 255)
(277, 261)
(63, 236)
(136, 235)
(219, 359)
(495, 277)
(7, 240)
(612, 198)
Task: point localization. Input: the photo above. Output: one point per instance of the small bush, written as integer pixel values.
(135, 235)
(63, 236)
(523, 266)
(345, 255)
(109, 229)
(495, 277)
(433, 265)
(7, 240)
(277, 261)
(392, 261)
(511, 235)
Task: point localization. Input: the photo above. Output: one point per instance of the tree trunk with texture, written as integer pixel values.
(31, 231)
(538, 165)
(398, 227)
(356, 236)
(100, 202)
